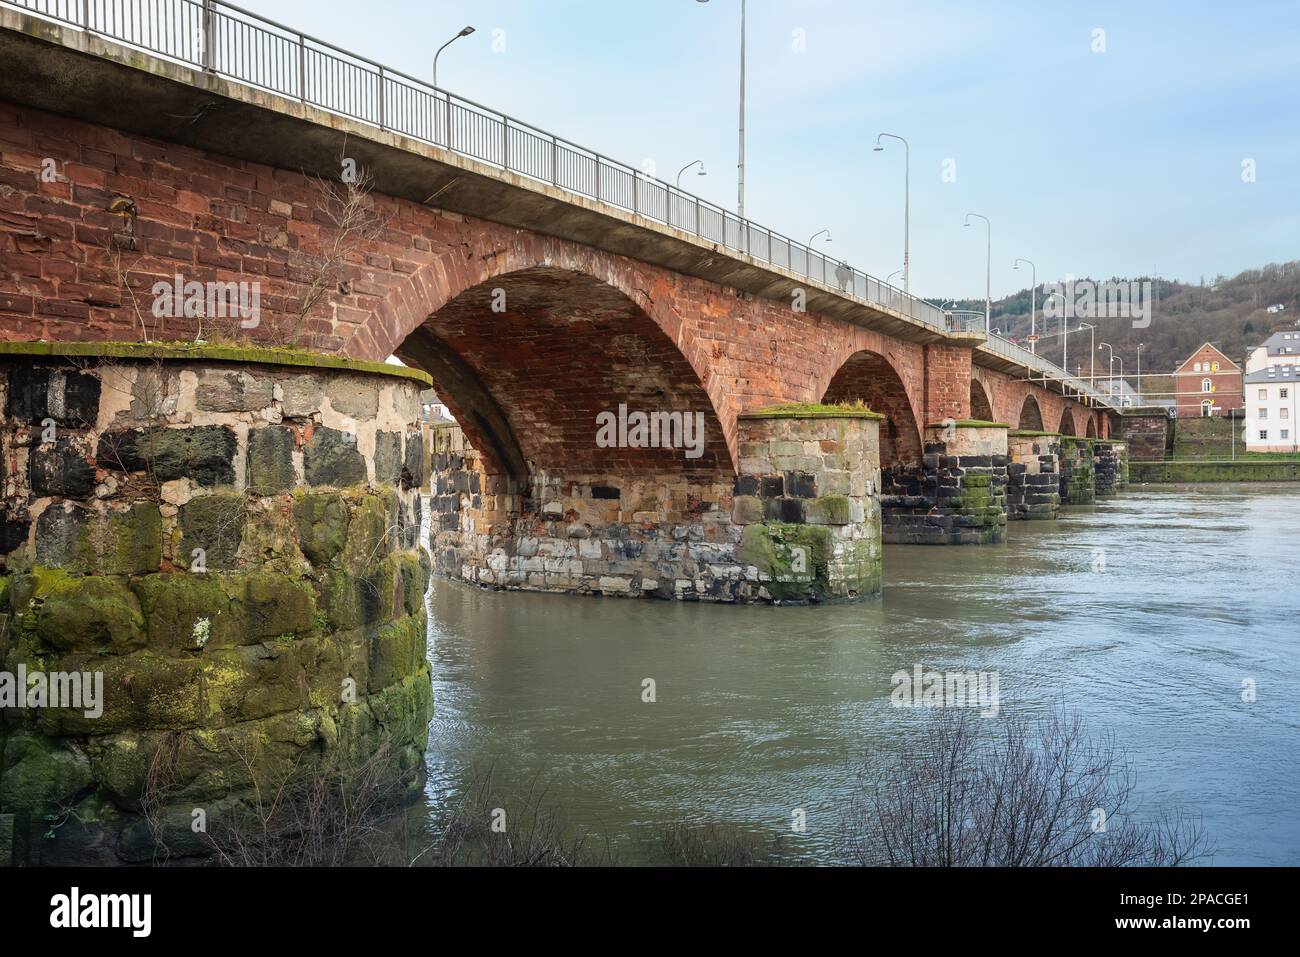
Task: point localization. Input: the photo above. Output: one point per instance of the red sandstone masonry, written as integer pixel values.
(609, 328)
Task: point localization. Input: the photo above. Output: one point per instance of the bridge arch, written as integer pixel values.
(1092, 427)
(981, 406)
(1031, 416)
(1067, 426)
(527, 360)
(867, 376)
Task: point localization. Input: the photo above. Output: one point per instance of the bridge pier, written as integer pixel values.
(1033, 476)
(956, 495)
(1078, 473)
(800, 522)
(1110, 461)
(213, 550)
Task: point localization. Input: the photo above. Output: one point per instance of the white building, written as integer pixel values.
(1271, 408)
(1279, 348)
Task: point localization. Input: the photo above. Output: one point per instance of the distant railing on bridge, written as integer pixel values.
(236, 43)
(239, 44)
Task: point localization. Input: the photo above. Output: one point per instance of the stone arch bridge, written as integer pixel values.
(834, 412)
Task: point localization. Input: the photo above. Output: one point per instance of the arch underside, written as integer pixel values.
(869, 377)
(980, 406)
(527, 380)
(1031, 416)
(1067, 426)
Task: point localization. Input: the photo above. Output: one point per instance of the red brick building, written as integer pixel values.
(1208, 383)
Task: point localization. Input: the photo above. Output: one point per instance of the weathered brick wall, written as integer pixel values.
(1147, 435)
(72, 270)
(1010, 396)
(233, 547)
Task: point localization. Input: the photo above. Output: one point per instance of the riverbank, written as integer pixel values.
(1191, 471)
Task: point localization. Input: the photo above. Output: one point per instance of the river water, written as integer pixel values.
(1145, 614)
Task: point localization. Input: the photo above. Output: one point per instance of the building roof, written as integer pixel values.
(1284, 342)
(1206, 345)
(1288, 373)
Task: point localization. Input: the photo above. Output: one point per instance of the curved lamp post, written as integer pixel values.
(988, 265)
(1033, 304)
(702, 171)
(907, 197)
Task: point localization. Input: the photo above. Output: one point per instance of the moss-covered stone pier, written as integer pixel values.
(226, 540)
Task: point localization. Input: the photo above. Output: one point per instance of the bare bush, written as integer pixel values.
(350, 211)
(1032, 794)
(484, 830)
(719, 844)
(326, 812)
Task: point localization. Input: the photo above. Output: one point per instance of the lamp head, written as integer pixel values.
(466, 32)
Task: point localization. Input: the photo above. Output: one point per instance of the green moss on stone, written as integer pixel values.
(212, 352)
(321, 519)
(795, 557)
(86, 614)
(813, 410)
(272, 604)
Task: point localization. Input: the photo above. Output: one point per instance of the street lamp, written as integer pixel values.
(813, 237)
(1139, 373)
(907, 196)
(889, 278)
(1033, 303)
(1065, 328)
(463, 33)
(688, 166)
(1110, 366)
(740, 166)
(1092, 365)
(988, 265)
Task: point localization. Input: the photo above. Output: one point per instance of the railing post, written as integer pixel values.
(505, 144)
(302, 68)
(85, 15)
(381, 98)
(555, 162)
(209, 36)
(697, 216)
(636, 189)
(598, 177)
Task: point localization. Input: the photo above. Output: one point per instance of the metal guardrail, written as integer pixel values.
(225, 39)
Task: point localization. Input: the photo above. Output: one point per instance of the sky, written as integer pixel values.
(1100, 139)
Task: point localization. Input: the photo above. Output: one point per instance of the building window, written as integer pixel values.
(1214, 367)
(1284, 414)
(1263, 435)
(1207, 409)
(1284, 393)
(1197, 367)
(1207, 385)
(1263, 413)
(1263, 394)
(1286, 434)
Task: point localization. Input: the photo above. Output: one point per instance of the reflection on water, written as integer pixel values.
(1145, 614)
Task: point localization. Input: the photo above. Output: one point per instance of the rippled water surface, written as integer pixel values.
(1145, 614)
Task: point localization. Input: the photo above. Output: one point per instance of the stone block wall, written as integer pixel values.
(1033, 479)
(800, 523)
(1110, 462)
(231, 547)
(1078, 475)
(956, 495)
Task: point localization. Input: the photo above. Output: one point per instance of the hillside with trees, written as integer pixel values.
(1232, 313)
